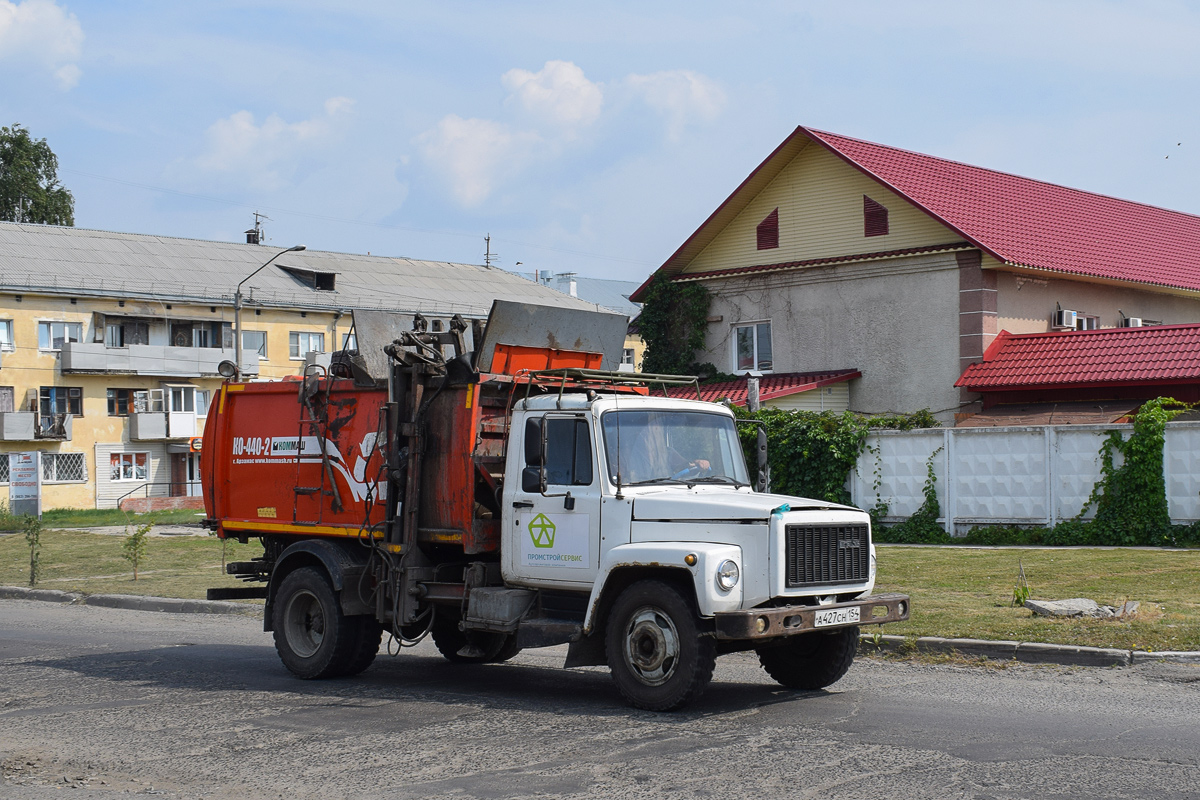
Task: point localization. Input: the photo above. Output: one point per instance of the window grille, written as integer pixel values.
(62, 467)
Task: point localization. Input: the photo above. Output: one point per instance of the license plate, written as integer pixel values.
(836, 616)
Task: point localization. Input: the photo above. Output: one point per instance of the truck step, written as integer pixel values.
(238, 593)
(246, 568)
(308, 490)
(547, 631)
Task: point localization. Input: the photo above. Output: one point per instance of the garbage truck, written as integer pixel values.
(500, 486)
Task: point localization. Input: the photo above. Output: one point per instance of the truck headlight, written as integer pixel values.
(728, 574)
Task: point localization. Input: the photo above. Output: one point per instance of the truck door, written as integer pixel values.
(556, 532)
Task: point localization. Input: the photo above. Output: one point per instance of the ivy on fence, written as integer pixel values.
(810, 455)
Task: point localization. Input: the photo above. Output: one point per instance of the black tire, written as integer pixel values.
(367, 638)
(812, 660)
(312, 635)
(658, 657)
(449, 640)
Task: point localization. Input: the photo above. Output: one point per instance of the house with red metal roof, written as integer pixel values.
(836, 253)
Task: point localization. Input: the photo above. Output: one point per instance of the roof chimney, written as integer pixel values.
(566, 283)
(252, 236)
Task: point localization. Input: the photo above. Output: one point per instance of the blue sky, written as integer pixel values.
(583, 137)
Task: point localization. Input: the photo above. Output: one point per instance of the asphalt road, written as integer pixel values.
(100, 703)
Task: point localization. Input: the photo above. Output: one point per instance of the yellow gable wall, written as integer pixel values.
(820, 201)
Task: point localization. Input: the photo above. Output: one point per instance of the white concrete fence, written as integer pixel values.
(1037, 475)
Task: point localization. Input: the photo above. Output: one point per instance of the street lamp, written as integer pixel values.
(237, 307)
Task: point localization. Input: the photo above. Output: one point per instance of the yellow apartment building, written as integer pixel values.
(110, 343)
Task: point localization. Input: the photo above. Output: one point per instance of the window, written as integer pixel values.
(4, 468)
(123, 402)
(568, 452)
(6, 335)
(120, 402)
(768, 231)
(64, 467)
(7, 400)
(1086, 323)
(321, 281)
(349, 341)
(875, 218)
(202, 334)
(123, 333)
(183, 399)
(61, 400)
(52, 335)
(300, 344)
(628, 355)
(255, 341)
(752, 347)
(128, 466)
(201, 402)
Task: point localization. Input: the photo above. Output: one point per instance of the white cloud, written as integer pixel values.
(39, 32)
(263, 155)
(680, 95)
(476, 154)
(558, 93)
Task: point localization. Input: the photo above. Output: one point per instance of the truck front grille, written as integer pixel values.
(827, 554)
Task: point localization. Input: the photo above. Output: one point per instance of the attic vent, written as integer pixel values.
(875, 218)
(321, 281)
(768, 231)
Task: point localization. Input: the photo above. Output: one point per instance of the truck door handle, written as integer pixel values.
(522, 504)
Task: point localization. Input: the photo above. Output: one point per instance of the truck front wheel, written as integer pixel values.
(658, 657)
(312, 635)
(810, 661)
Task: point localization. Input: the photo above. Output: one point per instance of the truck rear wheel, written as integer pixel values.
(810, 661)
(658, 657)
(367, 636)
(312, 635)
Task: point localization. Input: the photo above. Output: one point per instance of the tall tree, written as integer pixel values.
(29, 187)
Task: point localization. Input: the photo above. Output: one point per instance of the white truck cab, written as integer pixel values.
(611, 494)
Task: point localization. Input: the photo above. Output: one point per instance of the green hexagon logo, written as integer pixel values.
(541, 530)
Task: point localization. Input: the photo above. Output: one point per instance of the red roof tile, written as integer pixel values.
(1019, 221)
(771, 386)
(1165, 354)
(1030, 223)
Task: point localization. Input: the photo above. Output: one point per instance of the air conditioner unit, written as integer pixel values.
(1064, 318)
(1131, 322)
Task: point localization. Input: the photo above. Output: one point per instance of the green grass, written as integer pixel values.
(956, 593)
(77, 561)
(962, 593)
(97, 517)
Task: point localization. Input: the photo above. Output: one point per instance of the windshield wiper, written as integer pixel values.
(718, 479)
(649, 481)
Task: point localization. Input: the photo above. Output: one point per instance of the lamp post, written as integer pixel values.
(237, 307)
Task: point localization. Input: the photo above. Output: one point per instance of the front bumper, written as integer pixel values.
(767, 623)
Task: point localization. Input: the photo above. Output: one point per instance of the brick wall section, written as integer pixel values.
(143, 505)
(977, 320)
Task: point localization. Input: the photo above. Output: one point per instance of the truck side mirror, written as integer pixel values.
(764, 469)
(532, 480)
(534, 446)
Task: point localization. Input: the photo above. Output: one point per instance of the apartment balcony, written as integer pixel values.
(151, 360)
(159, 425)
(30, 426)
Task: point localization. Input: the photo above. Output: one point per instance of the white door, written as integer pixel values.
(556, 533)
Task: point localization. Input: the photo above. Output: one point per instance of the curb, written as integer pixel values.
(1028, 652)
(132, 602)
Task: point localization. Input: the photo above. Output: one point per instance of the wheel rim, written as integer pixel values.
(651, 646)
(304, 623)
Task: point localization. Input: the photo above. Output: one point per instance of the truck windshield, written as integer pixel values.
(672, 447)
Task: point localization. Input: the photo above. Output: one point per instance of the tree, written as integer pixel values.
(29, 187)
